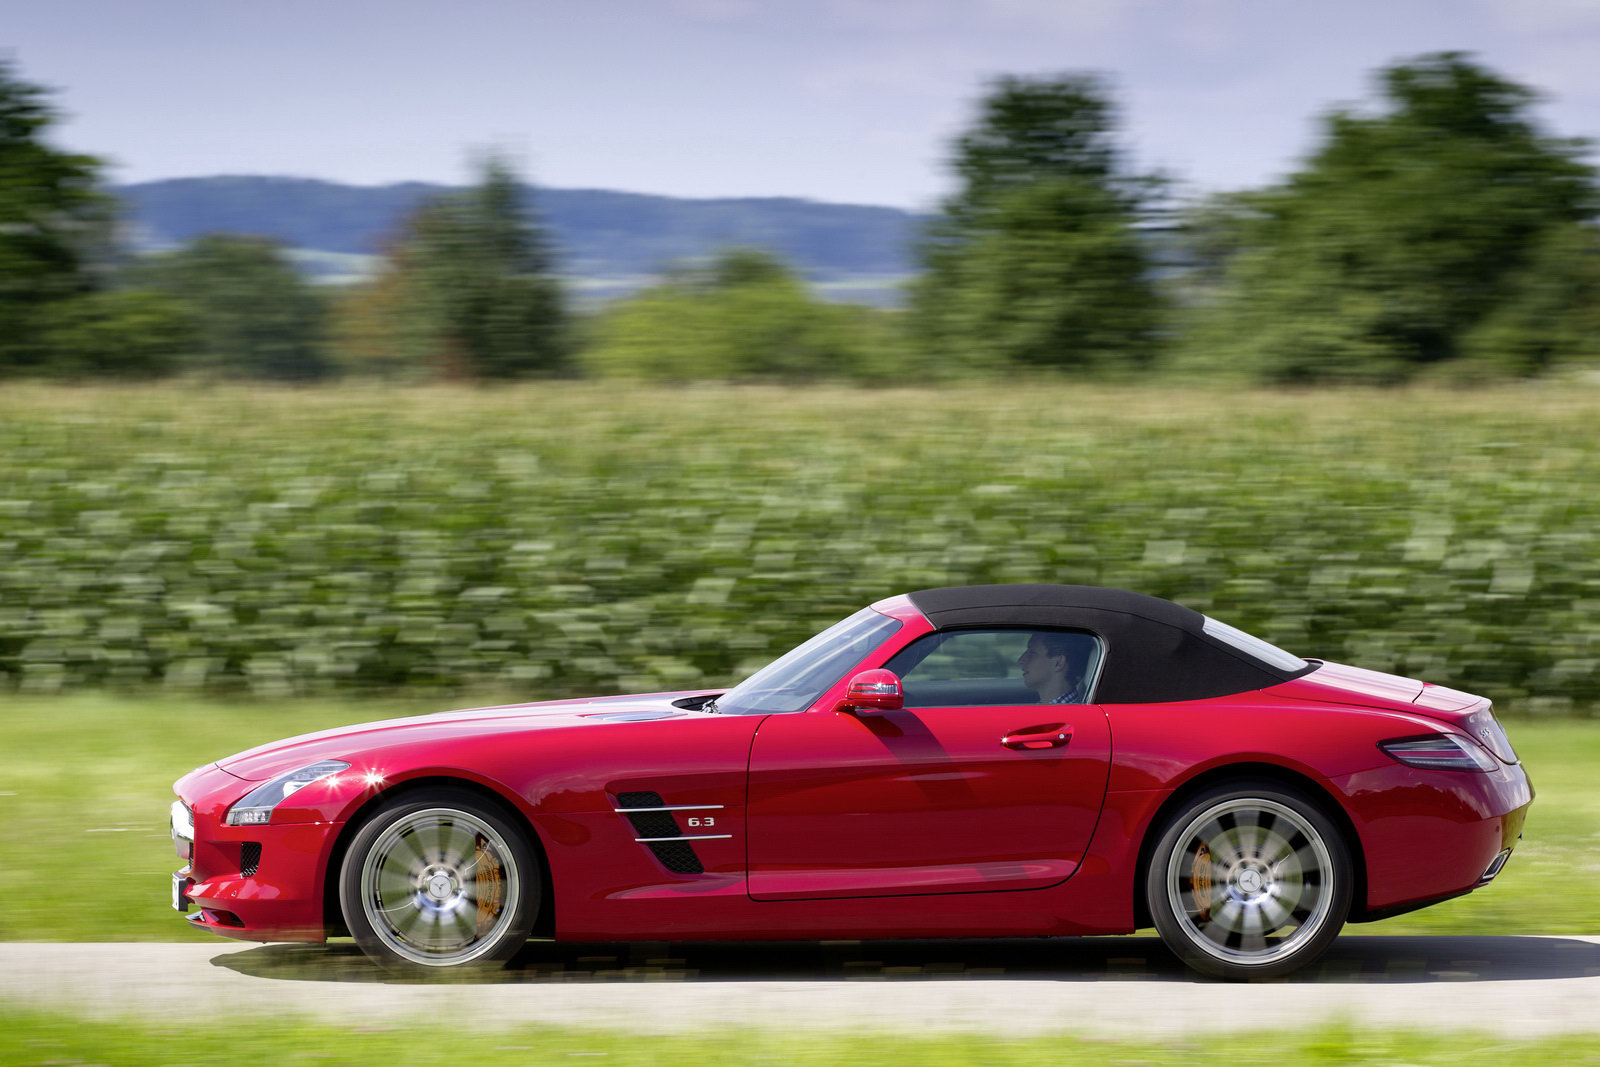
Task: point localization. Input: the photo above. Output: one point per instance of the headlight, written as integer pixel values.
(256, 808)
(1440, 752)
(181, 821)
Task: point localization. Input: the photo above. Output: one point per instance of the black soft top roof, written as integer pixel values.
(1155, 650)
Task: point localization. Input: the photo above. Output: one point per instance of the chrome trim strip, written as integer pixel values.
(672, 807)
(1495, 866)
(1095, 669)
(685, 837)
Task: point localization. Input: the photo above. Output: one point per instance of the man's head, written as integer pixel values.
(1045, 663)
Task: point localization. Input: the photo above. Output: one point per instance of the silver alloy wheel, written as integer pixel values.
(1250, 881)
(440, 886)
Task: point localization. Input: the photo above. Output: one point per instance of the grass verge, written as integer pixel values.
(43, 1038)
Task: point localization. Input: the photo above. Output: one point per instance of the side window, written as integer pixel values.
(989, 667)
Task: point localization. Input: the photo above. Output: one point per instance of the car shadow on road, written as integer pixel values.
(1352, 959)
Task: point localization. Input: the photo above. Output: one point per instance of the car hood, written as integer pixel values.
(279, 757)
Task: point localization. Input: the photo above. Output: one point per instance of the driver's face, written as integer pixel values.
(1035, 664)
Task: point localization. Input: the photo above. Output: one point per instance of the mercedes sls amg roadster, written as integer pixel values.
(985, 761)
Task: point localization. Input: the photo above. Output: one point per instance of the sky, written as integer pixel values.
(850, 101)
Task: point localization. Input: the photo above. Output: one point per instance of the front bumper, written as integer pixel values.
(254, 883)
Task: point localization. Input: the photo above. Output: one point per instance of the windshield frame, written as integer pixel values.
(795, 680)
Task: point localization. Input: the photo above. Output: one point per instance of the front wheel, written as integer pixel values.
(439, 878)
(1249, 880)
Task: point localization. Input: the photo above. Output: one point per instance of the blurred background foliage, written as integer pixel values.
(1442, 235)
(1037, 260)
(53, 219)
(1445, 234)
(473, 293)
(742, 316)
(248, 314)
(569, 538)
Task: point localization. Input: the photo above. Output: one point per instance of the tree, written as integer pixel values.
(1037, 258)
(477, 283)
(1404, 233)
(741, 316)
(368, 330)
(116, 333)
(252, 315)
(1549, 313)
(50, 215)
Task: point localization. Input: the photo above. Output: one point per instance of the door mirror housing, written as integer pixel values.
(874, 690)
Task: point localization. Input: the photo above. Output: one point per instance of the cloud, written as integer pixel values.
(930, 72)
(1545, 16)
(1563, 73)
(1074, 15)
(912, 16)
(720, 10)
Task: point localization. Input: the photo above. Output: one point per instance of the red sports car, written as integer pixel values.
(986, 761)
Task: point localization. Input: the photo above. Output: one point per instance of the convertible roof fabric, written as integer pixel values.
(1155, 651)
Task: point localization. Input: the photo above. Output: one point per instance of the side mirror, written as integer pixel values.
(874, 690)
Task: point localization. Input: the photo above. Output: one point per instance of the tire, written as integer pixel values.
(438, 879)
(1249, 881)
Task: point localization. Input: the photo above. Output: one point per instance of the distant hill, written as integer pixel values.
(598, 234)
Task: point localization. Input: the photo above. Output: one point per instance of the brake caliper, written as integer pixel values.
(1200, 882)
(489, 887)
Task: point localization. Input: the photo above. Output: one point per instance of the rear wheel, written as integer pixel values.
(1249, 880)
(439, 878)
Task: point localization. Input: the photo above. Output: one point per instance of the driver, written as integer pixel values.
(1047, 669)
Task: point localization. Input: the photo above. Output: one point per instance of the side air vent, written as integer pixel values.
(676, 856)
(651, 824)
(249, 858)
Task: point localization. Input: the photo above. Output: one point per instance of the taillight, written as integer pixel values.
(1439, 752)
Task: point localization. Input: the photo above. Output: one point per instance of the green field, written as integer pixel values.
(31, 1038)
(570, 537)
(85, 784)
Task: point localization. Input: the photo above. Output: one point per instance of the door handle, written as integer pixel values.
(1054, 737)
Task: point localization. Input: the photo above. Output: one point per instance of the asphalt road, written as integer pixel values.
(1512, 986)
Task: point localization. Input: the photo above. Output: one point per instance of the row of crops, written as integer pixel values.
(544, 540)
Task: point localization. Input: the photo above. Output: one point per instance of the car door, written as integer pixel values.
(973, 787)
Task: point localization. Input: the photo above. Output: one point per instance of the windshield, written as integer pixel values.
(795, 680)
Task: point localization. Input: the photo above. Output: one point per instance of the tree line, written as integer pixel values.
(1443, 235)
